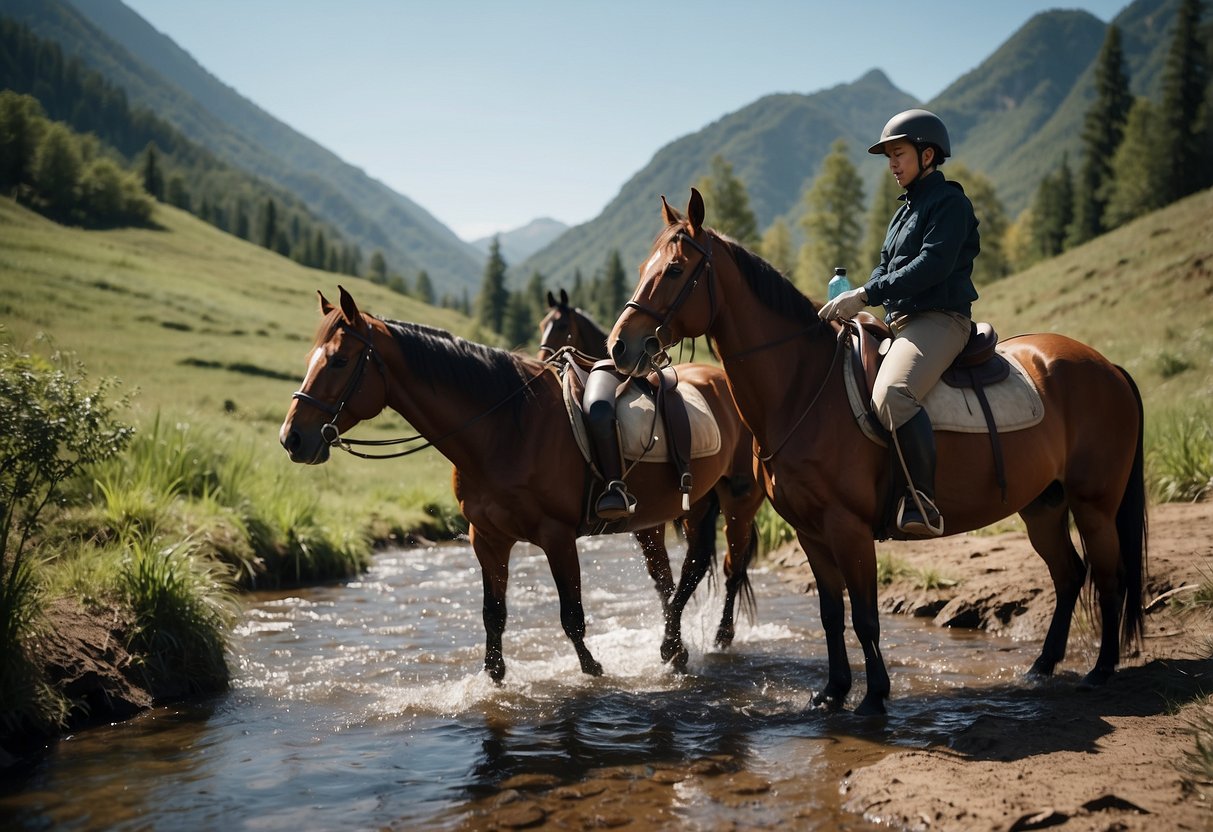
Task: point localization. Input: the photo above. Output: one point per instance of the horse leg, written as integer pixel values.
(1102, 545)
(1048, 525)
(657, 561)
(859, 570)
(566, 571)
(833, 620)
(700, 527)
(742, 538)
(494, 557)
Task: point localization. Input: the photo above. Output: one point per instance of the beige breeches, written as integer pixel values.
(925, 343)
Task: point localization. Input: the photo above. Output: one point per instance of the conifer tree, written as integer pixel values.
(1185, 76)
(884, 206)
(424, 290)
(578, 296)
(991, 264)
(614, 287)
(728, 204)
(1139, 166)
(22, 123)
(494, 297)
(1102, 132)
(153, 179)
(176, 194)
(776, 248)
(56, 169)
(831, 222)
(535, 297)
(1052, 211)
(519, 326)
(378, 268)
(268, 223)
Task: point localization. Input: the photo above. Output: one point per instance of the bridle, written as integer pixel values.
(546, 351)
(657, 344)
(332, 435)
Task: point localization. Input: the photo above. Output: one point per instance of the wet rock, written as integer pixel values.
(525, 816)
(531, 782)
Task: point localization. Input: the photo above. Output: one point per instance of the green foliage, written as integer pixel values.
(830, 222)
(729, 211)
(1140, 168)
(773, 530)
(494, 297)
(183, 609)
(1179, 459)
(992, 263)
(883, 207)
(1185, 77)
(776, 247)
(1052, 212)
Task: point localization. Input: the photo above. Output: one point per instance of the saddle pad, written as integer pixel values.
(639, 427)
(1015, 402)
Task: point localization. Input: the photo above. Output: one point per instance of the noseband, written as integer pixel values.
(329, 432)
(656, 346)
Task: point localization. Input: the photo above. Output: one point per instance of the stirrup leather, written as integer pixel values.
(921, 511)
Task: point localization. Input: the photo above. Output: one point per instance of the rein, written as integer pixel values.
(330, 434)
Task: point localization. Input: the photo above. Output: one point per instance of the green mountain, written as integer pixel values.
(157, 74)
(1011, 118)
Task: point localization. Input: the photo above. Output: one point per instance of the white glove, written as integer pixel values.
(845, 306)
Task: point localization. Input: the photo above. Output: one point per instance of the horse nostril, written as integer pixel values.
(290, 441)
(618, 350)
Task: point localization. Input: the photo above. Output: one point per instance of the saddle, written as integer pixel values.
(978, 367)
(659, 421)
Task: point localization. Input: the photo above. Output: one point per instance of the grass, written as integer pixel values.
(1179, 464)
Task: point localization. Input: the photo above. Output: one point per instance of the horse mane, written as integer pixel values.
(589, 319)
(437, 356)
(768, 284)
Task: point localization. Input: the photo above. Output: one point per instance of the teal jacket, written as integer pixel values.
(926, 262)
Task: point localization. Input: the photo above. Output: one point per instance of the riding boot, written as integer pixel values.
(616, 501)
(916, 440)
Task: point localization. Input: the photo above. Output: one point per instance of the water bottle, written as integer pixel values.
(838, 283)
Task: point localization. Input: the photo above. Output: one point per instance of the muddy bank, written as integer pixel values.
(1109, 759)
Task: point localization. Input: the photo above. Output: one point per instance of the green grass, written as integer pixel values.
(1179, 463)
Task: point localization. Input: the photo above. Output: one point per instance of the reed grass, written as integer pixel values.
(1179, 455)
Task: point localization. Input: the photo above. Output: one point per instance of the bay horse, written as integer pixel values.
(1083, 461)
(567, 326)
(500, 419)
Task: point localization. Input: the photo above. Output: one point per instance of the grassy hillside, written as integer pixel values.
(1142, 295)
(201, 327)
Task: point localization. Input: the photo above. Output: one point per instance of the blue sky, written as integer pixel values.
(490, 114)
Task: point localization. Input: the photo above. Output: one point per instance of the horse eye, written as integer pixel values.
(338, 361)
(674, 270)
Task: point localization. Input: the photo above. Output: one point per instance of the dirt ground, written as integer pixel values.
(1110, 759)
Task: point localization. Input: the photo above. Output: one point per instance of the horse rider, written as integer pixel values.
(598, 402)
(924, 281)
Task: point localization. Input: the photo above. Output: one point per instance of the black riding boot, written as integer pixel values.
(603, 429)
(916, 439)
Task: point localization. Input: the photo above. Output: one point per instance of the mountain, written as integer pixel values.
(1011, 118)
(775, 145)
(157, 74)
(521, 243)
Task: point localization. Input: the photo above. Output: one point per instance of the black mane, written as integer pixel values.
(438, 357)
(775, 291)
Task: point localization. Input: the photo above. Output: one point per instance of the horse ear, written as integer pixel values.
(348, 308)
(695, 212)
(667, 213)
(325, 306)
(551, 299)
(564, 298)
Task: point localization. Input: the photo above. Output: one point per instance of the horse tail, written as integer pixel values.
(1132, 526)
(745, 590)
(705, 538)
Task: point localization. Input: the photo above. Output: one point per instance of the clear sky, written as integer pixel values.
(491, 114)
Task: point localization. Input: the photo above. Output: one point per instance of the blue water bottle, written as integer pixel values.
(838, 283)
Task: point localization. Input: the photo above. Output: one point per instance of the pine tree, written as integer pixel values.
(831, 222)
(884, 206)
(1185, 76)
(614, 287)
(534, 294)
(728, 204)
(56, 170)
(378, 268)
(776, 247)
(22, 123)
(1102, 132)
(494, 297)
(268, 224)
(176, 194)
(992, 263)
(519, 326)
(153, 179)
(1052, 211)
(424, 290)
(1140, 168)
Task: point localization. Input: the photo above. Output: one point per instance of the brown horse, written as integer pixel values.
(1082, 462)
(518, 473)
(567, 326)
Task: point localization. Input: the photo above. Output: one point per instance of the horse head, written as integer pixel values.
(665, 308)
(337, 392)
(558, 327)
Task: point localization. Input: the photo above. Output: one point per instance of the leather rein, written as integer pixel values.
(330, 434)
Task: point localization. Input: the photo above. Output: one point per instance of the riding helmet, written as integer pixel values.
(921, 127)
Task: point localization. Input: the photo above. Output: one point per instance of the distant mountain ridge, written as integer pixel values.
(156, 73)
(520, 243)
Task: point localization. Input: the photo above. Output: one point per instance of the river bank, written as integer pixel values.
(1114, 758)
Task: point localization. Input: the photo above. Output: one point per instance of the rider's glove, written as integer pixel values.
(845, 306)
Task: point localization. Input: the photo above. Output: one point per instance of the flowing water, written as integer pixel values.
(362, 706)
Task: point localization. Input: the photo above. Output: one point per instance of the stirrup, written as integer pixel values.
(915, 518)
(608, 509)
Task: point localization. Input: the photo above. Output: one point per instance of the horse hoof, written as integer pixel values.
(679, 661)
(724, 639)
(591, 668)
(871, 706)
(671, 649)
(496, 672)
(1096, 678)
(828, 701)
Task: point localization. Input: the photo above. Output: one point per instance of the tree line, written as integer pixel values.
(70, 144)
